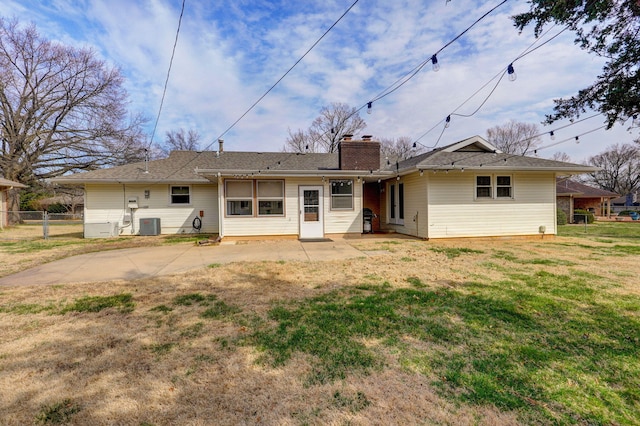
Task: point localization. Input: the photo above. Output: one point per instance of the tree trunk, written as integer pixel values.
(13, 207)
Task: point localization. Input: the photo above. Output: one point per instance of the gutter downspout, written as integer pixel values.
(220, 206)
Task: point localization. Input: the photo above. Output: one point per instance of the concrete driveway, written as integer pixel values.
(129, 264)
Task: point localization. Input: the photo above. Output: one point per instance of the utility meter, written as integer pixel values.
(132, 202)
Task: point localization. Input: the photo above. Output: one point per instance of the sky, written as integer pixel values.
(230, 52)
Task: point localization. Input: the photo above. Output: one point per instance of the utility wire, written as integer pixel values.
(166, 82)
(403, 80)
(500, 75)
(285, 74)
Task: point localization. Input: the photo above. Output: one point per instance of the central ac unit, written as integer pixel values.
(150, 226)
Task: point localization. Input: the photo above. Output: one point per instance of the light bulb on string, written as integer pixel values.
(552, 135)
(512, 73)
(447, 121)
(415, 145)
(577, 139)
(434, 63)
(369, 105)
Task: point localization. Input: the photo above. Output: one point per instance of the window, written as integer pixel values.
(180, 195)
(239, 194)
(483, 187)
(503, 187)
(494, 186)
(341, 194)
(396, 203)
(270, 198)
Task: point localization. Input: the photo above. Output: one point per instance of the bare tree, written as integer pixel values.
(561, 156)
(61, 109)
(326, 130)
(515, 137)
(399, 149)
(620, 166)
(179, 140)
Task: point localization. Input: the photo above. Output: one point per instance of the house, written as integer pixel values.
(572, 195)
(5, 186)
(466, 189)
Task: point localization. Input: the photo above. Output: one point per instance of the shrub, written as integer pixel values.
(579, 215)
(561, 217)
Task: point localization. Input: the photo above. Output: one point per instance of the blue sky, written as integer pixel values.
(230, 52)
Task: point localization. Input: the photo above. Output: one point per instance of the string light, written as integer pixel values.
(552, 135)
(434, 63)
(511, 72)
(447, 121)
(577, 139)
(369, 105)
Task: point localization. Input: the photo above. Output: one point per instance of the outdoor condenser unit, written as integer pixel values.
(150, 226)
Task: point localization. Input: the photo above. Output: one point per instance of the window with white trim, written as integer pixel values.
(503, 187)
(494, 187)
(342, 194)
(239, 195)
(483, 187)
(180, 194)
(270, 197)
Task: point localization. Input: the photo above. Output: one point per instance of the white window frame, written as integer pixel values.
(395, 207)
(510, 186)
(494, 187)
(341, 182)
(171, 202)
(238, 199)
(260, 199)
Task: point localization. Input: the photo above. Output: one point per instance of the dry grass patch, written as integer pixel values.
(473, 332)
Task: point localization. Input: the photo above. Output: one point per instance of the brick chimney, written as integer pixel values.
(359, 155)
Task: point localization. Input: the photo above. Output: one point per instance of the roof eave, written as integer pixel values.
(292, 173)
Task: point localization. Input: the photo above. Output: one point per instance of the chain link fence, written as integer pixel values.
(28, 225)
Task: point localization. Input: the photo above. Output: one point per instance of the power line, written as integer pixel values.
(404, 79)
(285, 74)
(166, 82)
(500, 75)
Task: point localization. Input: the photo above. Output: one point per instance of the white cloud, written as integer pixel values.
(230, 52)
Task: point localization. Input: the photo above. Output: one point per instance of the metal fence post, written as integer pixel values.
(45, 225)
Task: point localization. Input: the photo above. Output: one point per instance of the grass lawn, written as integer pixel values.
(449, 332)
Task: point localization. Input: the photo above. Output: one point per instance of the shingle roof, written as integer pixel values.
(570, 187)
(181, 166)
(194, 167)
(477, 154)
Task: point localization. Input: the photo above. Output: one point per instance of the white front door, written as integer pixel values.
(311, 212)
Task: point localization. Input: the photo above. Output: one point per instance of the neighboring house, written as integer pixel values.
(628, 200)
(572, 195)
(73, 204)
(5, 186)
(467, 189)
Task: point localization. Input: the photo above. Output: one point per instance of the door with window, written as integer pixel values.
(396, 203)
(311, 212)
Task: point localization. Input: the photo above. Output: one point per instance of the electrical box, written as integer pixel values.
(150, 226)
(132, 202)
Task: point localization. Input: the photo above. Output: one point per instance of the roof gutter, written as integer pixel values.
(294, 173)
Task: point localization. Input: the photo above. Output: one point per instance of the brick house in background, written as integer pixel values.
(572, 195)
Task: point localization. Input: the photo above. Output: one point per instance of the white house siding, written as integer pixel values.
(108, 203)
(415, 206)
(334, 221)
(453, 211)
(343, 221)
